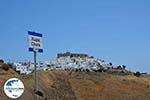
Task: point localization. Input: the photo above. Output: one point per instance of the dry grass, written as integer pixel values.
(66, 85)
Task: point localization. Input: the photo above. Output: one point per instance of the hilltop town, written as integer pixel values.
(75, 76)
(70, 61)
(80, 85)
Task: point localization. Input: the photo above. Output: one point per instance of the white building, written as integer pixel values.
(28, 67)
(22, 67)
(62, 63)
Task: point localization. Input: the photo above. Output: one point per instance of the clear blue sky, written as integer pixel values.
(113, 30)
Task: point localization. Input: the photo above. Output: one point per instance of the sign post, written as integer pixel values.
(35, 78)
(35, 45)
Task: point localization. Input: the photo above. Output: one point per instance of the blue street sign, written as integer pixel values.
(35, 42)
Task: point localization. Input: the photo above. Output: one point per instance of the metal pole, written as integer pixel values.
(35, 78)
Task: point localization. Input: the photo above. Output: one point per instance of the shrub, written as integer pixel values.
(79, 69)
(1, 61)
(87, 70)
(119, 67)
(39, 93)
(110, 64)
(137, 74)
(100, 70)
(122, 71)
(10, 65)
(76, 70)
(95, 70)
(124, 67)
(5, 67)
(83, 70)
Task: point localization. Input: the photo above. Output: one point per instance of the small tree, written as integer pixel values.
(110, 64)
(1, 61)
(10, 65)
(5, 67)
(87, 70)
(100, 70)
(76, 70)
(137, 74)
(119, 67)
(124, 67)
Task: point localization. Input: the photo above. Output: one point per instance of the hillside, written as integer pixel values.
(67, 85)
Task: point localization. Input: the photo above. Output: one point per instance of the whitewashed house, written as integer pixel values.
(22, 67)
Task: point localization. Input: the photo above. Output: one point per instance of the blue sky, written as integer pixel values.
(113, 30)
